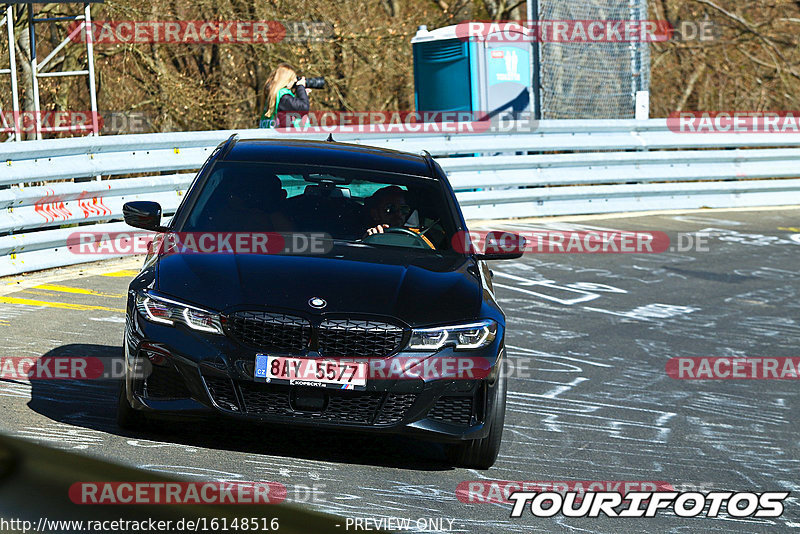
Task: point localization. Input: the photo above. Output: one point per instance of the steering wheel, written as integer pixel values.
(418, 239)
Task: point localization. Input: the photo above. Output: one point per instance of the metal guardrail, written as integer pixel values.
(561, 167)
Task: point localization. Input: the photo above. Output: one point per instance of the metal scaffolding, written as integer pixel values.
(46, 68)
(8, 22)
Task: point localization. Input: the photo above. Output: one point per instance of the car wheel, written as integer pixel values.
(127, 417)
(482, 453)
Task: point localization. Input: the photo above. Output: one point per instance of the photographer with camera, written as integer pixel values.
(281, 98)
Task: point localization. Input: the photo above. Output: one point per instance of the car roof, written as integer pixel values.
(300, 151)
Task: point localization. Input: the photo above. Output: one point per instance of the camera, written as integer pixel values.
(317, 82)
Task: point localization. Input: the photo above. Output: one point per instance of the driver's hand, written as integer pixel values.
(377, 229)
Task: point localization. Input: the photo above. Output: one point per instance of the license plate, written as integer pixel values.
(311, 372)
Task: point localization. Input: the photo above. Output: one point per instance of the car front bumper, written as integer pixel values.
(173, 371)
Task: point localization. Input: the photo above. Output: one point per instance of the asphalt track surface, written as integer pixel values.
(588, 338)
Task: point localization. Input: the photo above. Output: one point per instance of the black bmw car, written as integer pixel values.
(365, 315)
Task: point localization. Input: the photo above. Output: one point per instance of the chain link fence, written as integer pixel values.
(596, 80)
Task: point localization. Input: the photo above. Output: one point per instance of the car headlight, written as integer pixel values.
(163, 310)
(465, 336)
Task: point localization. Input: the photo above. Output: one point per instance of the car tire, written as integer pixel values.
(127, 417)
(482, 453)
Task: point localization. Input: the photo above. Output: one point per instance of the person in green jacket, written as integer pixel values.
(286, 93)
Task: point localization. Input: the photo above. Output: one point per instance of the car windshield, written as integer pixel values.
(346, 204)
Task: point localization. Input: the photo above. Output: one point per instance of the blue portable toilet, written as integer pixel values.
(452, 73)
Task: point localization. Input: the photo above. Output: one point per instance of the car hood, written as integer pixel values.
(434, 290)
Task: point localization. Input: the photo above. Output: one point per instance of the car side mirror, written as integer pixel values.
(502, 246)
(143, 214)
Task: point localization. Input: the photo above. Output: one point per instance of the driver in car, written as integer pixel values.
(388, 208)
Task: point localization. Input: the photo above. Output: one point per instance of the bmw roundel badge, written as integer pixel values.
(316, 302)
